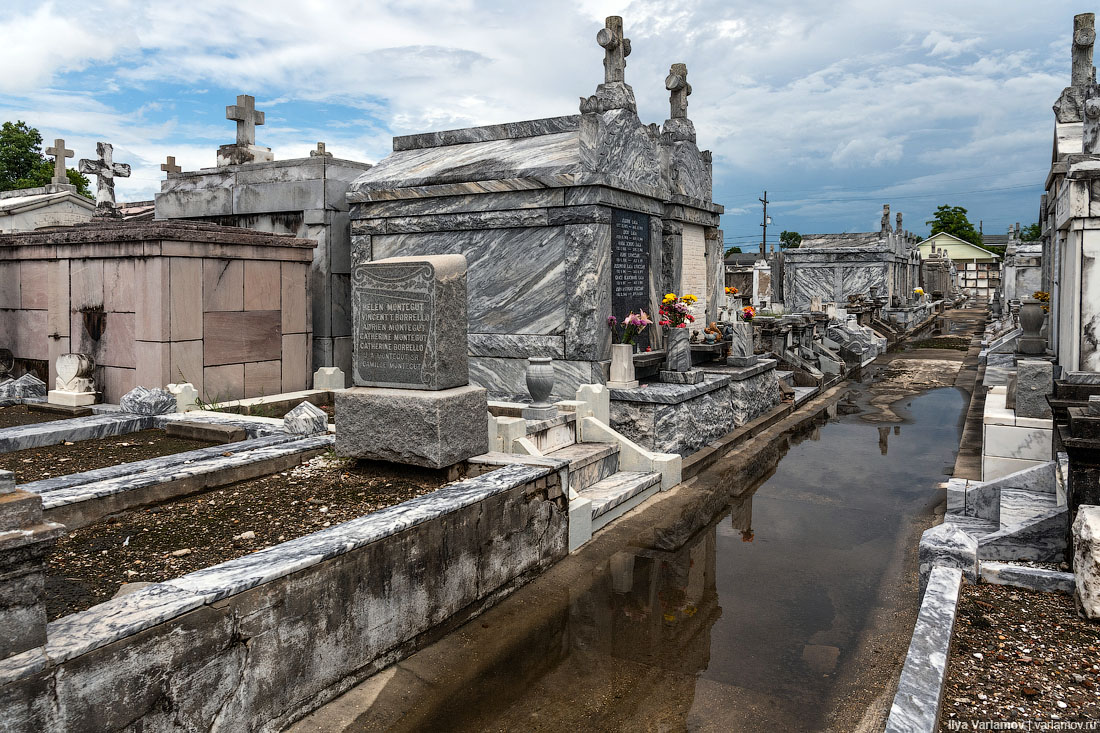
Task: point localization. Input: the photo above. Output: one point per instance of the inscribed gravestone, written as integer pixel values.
(410, 323)
(630, 266)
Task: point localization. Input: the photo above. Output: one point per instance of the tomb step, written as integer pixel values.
(801, 394)
(1040, 537)
(1018, 506)
(976, 527)
(588, 462)
(785, 377)
(615, 495)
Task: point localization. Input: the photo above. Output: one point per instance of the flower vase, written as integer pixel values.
(678, 354)
(1031, 321)
(540, 383)
(622, 367)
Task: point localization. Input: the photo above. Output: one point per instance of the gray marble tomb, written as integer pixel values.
(834, 266)
(301, 196)
(563, 221)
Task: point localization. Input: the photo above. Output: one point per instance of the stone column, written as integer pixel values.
(25, 540)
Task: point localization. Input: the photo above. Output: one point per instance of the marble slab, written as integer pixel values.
(240, 574)
(1023, 576)
(79, 633)
(126, 469)
(947, 545)
(1005, 441)
(23, 437)
(1020, 506)
(615, 490)
(670, 394)
(916, 706)
(175, 472)
(1041, 539)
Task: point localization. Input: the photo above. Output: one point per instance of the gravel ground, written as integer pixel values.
(163, 542)
(35, 464)
(20, 415)
(1024, 657)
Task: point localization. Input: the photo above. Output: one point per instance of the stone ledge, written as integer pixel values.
(738, 374)
(670, 394)
(916, 707)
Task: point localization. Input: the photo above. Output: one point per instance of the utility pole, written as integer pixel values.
(764, 239)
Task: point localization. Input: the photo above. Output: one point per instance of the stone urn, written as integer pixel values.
(540, 383)
(678, 354)
(622, 367)
(1031, 321)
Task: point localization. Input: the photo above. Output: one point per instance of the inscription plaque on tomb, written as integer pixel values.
(410, 323)
(630, 267)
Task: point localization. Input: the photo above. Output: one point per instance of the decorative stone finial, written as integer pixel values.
(105, 171)
(59, 154)
(1070, 105)
(677, 83)
(616, 48)
(320, 152)
(898, 228)
(884, 226)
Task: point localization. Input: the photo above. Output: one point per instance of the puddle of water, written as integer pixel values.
(748, 624)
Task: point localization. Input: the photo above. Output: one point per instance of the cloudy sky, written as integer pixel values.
(834, 108)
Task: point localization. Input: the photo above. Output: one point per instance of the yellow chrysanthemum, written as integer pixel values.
(690, 298)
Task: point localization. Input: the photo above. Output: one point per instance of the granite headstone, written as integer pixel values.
(410, 323)
(630, 267)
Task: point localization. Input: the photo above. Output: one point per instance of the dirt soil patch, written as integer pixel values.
(1021, 656)
(14, 415)
(65, 458)
(957, 343)
(163, 542)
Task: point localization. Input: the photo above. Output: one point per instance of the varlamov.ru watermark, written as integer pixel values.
(972, 725)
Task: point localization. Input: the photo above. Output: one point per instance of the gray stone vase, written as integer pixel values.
(1031, 321)
(540, 380)
(678, 355)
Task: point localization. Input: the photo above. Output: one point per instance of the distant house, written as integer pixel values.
(979, 269)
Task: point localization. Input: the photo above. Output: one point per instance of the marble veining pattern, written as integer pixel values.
(1041, 539)
(22, 437)
(505, 379)
(916, 705)
(150, 477)
(1019, 506)
(516, 279)
(512, 345)
(150, 464)
(1023, 576)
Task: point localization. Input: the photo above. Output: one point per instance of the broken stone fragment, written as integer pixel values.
(306, 419)
(142, 401)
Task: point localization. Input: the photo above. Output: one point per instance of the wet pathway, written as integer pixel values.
(785, 608)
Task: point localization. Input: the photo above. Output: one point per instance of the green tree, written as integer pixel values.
(952, 219)
(789, 240)
(733, 251)
(1031, 232)
(22, 164)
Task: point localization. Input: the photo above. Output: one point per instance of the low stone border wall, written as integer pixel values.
(269, 636)
(916, 707)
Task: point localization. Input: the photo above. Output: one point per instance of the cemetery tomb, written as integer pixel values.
(302, 197)
(155, 303)
(563, 221)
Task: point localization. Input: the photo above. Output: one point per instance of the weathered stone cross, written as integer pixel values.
(1083, 38)
(677, 83)
(59, 154)
(105, 170)
(247, 117)
(169, 165)
(320, 152)
(616, 49)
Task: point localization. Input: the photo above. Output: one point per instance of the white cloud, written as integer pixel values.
(943, 45)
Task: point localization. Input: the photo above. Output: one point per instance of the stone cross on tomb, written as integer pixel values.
(1083, 37)
(247, 117)
(59, 154)
(884, 225)
(320, 152)
(677, 83)
(615, 49)
(105, 170)
(169, 165)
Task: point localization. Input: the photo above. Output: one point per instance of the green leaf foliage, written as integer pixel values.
(952, 219)
(22, 164)
(789, 240)
(1032, 232)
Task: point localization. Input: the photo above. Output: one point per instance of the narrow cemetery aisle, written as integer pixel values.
(776, 591)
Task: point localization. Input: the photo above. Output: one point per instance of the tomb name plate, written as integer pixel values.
(410, 323)
(630, 267)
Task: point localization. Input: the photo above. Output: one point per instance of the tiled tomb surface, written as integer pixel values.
(484, 536)
(1012, 442)
(157, 302)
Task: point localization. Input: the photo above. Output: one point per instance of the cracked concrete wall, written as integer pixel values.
(260, 659)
